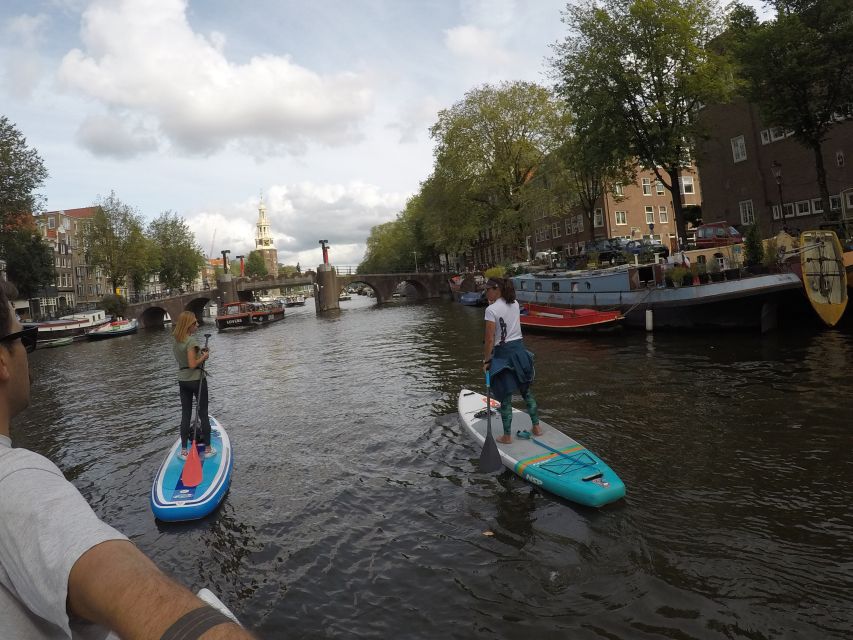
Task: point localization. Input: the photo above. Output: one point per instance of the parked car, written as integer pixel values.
(717, 234)
(609, 250)
(646, 249)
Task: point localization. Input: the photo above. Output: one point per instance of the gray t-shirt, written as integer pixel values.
(45, 526)
(179, 349)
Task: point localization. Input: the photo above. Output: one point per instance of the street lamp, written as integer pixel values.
(416, 261)
(225, 260)
(776, 168)
(242, 267)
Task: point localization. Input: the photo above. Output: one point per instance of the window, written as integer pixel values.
(570, 225)
(51, 222)
(777, 212)
(777, 133)
(650, 215)
(647, 186)
(663, 215)
(555, 286)
(686, 183)
(598, 220)
(747, 215)
(839, 158)
(659, 188)
(765, 136)
(555, 230)
(804, 208)
(621, 217)
(817, 205)
(789, 210)
(834, 203)
(738, 149)
(580, 223)
(618, 190)
(849, 200)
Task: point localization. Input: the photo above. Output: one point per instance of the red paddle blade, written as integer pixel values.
(191, 475)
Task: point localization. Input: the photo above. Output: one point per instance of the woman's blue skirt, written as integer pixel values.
(512, 369)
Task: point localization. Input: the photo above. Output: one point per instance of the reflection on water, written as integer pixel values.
(357, 509)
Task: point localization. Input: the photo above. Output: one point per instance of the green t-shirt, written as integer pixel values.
(185, 374)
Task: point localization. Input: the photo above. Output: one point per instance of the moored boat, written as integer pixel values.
(54, 342)
(473, 298)
(555, 319)
(75, 325)
(754, 301)
(824, 274)
(114, 329)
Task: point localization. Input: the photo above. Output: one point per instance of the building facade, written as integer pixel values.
(642, 209)
(78, 285)
(762, 175)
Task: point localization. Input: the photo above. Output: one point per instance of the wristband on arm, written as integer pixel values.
(194, 624)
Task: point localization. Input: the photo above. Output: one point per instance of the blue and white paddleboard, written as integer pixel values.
(552, 461)
(171, 501)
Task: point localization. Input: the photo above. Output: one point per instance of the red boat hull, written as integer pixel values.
(542, 318)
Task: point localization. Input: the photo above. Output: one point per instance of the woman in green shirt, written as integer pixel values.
(191, 382)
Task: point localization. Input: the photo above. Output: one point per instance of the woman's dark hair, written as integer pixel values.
(8, 292)
(507, 289)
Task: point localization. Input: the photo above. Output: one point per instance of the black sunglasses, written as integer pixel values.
(28, 336)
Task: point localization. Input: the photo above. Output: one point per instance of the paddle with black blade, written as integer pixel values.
(191, 475)
(490, 457)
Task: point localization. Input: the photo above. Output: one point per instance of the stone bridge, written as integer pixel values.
(326, 282)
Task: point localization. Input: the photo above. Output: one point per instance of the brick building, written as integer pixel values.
(762, 175)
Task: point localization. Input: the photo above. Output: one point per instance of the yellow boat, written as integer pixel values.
(824, 274)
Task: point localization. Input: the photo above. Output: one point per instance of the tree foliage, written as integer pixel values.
(21, 173)
(29, 261)
(798, 68)
(255, 265)
(650, 65)
(109, 239)
(489, 146)
(179, 256)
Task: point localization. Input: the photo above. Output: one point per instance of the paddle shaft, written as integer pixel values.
(198, 397)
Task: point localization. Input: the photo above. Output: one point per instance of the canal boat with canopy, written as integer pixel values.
(114, 329)
(552, 461)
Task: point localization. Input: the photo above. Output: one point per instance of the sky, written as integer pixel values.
(202, 107)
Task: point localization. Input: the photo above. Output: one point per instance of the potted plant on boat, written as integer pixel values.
(714, 272)
(678, 276)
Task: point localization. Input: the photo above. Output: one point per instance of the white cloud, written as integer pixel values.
(23, 66)
(111, 136)
(415, 119)
(474, 43)
(142, 56)
(300, 215)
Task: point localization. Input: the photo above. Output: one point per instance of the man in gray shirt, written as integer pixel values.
(63, 572)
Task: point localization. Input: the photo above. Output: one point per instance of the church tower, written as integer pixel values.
(264, 242)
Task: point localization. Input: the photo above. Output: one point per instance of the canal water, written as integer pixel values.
(357, 510)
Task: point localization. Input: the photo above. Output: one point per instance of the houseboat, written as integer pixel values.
(248, 314)
(738, 301)
(72, 326)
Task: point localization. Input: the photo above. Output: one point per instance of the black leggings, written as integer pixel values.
(188, 390)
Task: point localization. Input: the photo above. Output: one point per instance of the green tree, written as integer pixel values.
(143, 259)
(753, 247)
(113, 304)
(180, 257)
(21, 173)
(29, 261)
(255, 265)
(798, 68)
(650, 65)
(489, 146)
(108, 240)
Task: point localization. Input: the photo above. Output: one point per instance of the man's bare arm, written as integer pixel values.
(115, 585)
